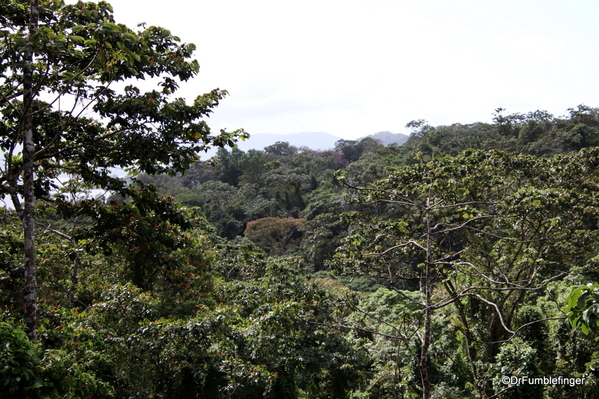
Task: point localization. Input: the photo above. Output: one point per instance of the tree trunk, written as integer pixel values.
(28, 216)
(427, 288)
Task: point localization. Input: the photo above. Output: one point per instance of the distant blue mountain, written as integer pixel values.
(318, 141)
(387, 138)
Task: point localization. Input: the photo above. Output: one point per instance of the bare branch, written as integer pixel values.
(405, 244)
(67, 84)
(465, 292)
(442, 261)
(53, 231)
(407, 297)
(465, 224)
(523, 326)
(435, 207)
(502, 391)
(497, 310)
(502, 237)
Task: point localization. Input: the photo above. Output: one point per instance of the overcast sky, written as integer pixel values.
(353, 68)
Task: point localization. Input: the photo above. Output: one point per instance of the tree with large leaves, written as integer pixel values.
(70, 107)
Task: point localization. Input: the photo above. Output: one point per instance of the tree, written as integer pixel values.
(322, 235)
(67, 111)
(229, 208)
(282, 148)
(352, 149)
(229, 165)
(288, 185)
(275, 235)
(483, 232)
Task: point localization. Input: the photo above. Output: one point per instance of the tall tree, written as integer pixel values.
(67, 111)
(27, 212)
(485, 230)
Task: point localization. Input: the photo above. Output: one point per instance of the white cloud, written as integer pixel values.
(356, 67)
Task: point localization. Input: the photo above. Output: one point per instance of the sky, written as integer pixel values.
(353, 68)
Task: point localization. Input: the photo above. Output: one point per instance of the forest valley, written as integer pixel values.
(461, 264)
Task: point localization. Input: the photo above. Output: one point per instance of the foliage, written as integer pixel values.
(83, 51)
(292, 317)
(384, 319)
(481, 232)
(456, 264)
(275, 235)
(582, 310)
(536, 133)
(18, 364)
(582, 306)
(352, 150)
(517, 358)
(28, 373)
(266, 336)
(56, 54)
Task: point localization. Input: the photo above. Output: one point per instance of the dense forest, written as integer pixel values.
(460, 264)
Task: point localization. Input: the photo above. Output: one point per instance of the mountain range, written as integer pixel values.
(318, 141)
